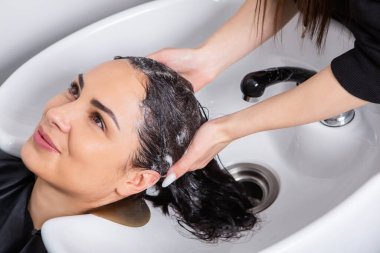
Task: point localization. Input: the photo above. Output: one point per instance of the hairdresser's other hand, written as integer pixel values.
(191, 63)
(208, 141)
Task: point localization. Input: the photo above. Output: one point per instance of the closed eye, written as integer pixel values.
(74, 90)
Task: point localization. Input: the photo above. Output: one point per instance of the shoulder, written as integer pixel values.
(366, 14)
(12, 170)
(358, 70)
(7, 157)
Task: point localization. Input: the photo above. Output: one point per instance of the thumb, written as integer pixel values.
(158, 55)
(176, 171)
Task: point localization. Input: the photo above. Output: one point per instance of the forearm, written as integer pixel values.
(318, 98)
(245, 31)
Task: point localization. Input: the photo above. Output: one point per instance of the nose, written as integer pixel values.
(59, 117)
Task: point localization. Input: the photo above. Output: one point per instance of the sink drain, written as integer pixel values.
(259, 183)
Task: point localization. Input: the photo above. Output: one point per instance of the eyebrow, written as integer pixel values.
(98, 104)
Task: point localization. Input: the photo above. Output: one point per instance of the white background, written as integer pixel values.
(27, 27)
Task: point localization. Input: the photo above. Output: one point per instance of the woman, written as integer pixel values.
(350, 81)
(114, 133)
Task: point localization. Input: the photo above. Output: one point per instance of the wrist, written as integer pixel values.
(234, 126)
(209, 60)
(224, 127)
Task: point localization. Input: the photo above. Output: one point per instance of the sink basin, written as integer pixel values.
(329, 180)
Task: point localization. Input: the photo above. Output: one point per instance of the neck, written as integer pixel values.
(47, 202)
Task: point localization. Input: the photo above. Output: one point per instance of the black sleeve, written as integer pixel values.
(16, 225)
(12, 172)
(35, 244)
(358, 70)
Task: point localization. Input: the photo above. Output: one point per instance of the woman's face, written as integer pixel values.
(87, 136)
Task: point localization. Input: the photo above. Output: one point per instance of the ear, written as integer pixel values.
(137, 181)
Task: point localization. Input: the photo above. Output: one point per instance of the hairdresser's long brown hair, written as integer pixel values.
(314, 16)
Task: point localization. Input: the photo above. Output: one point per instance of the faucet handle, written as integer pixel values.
(254, 84)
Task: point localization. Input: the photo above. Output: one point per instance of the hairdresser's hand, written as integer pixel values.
(209, 140)
(191, 63)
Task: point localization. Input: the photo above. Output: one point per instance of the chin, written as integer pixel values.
(28, 154)
(25, 149)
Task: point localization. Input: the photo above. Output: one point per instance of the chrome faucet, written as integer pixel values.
(254, 84)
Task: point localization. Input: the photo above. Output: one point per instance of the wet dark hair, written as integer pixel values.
(209, 202)
(315, 16)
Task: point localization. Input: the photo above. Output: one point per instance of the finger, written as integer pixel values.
(155, 55)
(158, 54)
(176, 171)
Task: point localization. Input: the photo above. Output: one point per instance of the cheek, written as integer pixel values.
(92, 167)
(92, 180)
(38, 163)
(91, 149)
(27, 155)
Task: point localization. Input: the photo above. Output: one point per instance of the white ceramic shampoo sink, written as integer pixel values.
(328, 177)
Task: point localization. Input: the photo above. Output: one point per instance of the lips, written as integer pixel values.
(44, 141)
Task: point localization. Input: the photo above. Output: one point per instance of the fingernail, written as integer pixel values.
(169, 179)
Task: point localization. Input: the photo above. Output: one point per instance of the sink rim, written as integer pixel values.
(90, 29)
